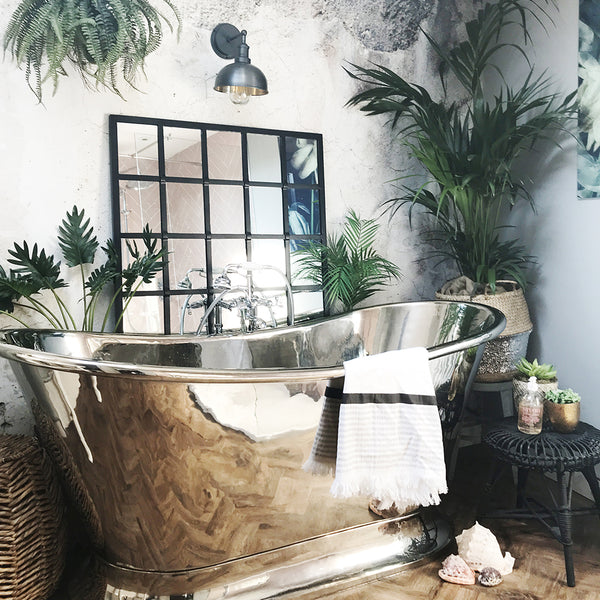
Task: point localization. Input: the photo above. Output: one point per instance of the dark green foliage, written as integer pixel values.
(348, 267)
(99, 38)
(39, 269)
(109, 272)
(77, 240)
(35, 272)
(469, 152)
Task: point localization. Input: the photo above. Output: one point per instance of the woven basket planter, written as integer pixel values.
(499, 359)
(33, 537)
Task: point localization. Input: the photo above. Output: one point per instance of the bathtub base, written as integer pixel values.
(333, 561)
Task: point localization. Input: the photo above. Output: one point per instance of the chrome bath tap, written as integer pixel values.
(249, 300)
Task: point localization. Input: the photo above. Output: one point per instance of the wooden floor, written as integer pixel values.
(539, 572)
(539, 568)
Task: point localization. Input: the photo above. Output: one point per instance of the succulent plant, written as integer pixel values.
(542, 371)
(567, 396)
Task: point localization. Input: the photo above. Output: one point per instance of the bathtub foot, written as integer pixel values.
(329, 562)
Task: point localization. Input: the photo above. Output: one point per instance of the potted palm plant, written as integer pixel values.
(469, 149)
(347, 267)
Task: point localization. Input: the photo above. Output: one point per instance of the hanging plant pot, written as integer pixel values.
(502, 354)
(101, 40)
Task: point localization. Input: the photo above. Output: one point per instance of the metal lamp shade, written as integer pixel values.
(241, 77)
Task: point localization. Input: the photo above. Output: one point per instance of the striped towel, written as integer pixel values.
(389, 439)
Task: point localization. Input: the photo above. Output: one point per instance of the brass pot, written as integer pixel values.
(563, 417)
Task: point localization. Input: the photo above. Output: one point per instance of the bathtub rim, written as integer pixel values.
(50, 360)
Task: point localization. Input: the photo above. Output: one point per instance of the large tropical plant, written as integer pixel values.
(470, 149)
(348, 267)
(34, 271)
(100, 39)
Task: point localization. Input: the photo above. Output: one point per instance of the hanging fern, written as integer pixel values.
(101, 39)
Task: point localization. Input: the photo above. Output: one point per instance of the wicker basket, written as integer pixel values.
(501, 354)
(33, 539)
(512, 303)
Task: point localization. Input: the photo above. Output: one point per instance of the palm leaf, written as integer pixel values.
(347, 266)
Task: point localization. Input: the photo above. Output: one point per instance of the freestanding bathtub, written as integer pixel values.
(184, 454)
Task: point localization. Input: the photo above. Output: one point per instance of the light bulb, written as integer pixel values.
(238, 97)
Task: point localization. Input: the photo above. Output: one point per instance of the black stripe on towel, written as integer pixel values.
(334, 393)
(389, 399)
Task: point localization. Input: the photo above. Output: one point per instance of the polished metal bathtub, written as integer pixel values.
(184, 454)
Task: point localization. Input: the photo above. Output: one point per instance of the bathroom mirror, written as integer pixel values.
(216, 195)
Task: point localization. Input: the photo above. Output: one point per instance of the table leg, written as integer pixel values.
(564, 525)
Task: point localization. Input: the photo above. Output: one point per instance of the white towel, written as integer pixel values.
(390, 437)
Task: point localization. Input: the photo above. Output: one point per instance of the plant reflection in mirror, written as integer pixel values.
(347, 267)
(34, 271)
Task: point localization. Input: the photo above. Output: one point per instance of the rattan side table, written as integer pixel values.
(549, 451)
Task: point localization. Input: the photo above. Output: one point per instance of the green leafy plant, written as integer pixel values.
(469, 151)
(33, 271)
(567, 396)
(347, 267)
(100, 39)
(542, 371)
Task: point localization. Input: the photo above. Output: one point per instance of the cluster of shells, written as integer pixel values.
(479, 559)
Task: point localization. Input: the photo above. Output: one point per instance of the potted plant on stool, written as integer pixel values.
(544, 373)
(562, 409)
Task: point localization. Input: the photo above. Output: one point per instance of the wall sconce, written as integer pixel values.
(240, 79)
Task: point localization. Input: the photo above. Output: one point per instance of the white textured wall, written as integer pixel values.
(56, 155)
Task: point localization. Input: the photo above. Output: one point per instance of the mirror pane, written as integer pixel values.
(266, 210)
(224, 155)
(301, 160)
(138, 148)
(185, 208)
(139, 203)
(264, 163)
(127, 258)
(304, 213)
(225, 252)
(194, 310)
(308, 303)
(185, 254)
(272, 253)
(183, 152)
(227, 209)
(144, 315)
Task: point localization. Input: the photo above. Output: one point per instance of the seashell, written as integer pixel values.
(479, 548)
(489, 577)
(456, 570)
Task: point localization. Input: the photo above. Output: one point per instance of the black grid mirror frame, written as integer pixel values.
(214, 194)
